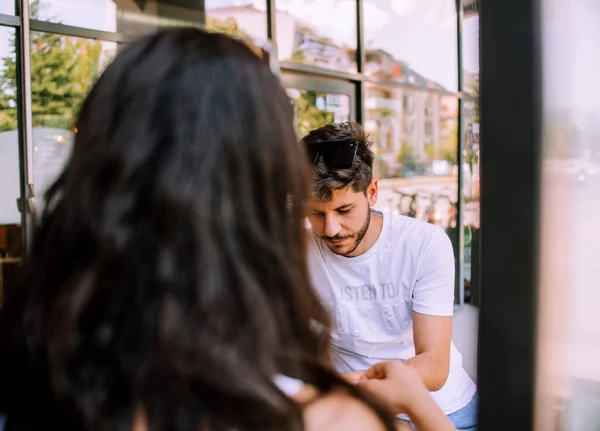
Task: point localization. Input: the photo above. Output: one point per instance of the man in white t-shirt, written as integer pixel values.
(387, 280)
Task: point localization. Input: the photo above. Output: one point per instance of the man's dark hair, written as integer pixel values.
(327, 179)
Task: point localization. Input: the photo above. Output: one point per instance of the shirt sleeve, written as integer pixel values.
(433, 293)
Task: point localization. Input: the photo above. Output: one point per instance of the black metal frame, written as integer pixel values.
(69, 30)
(320, 77)
(10, 21)
(511, 118)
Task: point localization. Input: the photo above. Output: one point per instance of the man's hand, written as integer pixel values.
(393, 383)
(352, 377)
(401, 390)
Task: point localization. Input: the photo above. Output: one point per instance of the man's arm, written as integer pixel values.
(433, 306)
(433, 335)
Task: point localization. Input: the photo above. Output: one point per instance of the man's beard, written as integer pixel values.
(358, 237)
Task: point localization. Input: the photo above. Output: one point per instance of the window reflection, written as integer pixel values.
(92, 14)
(314, 109)
(320, 33)
(132, 17)
(471, 144)
(412, 111)
(241, 21)
(10, 218)
(415, 136)
(567, 368)
(137, 17)
(411, 42)
(63, 69)
(7, 7)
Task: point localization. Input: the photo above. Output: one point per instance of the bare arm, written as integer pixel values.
(433, 306)
(341, 412)
(401, 390)
(432, 336)
(427, 416)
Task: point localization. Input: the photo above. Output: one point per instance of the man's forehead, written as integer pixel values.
(339, 198)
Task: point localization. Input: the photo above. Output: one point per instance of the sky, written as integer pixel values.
(421, 33)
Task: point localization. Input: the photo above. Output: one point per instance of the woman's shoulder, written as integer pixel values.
(339, 411)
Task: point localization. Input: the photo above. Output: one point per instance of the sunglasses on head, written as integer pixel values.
(337, 155)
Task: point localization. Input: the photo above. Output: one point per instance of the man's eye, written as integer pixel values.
(344, 211)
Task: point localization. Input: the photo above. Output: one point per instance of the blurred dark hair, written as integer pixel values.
(359, 176)
(168, 271)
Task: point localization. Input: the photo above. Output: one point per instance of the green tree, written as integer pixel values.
(407, 157)
(382, 117)
(475, 95)
(310, 117)
(298, 56)
(449, 144)
(8, 91)
(228, 26)
(63, 68)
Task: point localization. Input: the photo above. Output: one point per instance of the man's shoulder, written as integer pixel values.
(313, 241)
(315, 247)
(403, 228)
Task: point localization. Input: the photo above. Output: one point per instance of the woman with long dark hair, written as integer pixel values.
(167, 287)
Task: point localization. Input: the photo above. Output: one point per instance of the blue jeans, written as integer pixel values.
(466, 418)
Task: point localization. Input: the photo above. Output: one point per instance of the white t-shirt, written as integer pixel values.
(372, 296)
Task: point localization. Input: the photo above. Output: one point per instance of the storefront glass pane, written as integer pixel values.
(415, 136)
(134, 17)
(92, 14)
(7, 7)
(248, 21)
(412, 112)
(314, 109)
(63, 70)
(320, 33)
(568, 328)
(411, 42)
(10, 217)
(471, 144)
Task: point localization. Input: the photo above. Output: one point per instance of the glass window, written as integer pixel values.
(143, 16)
(318, 33)
(248, 21)
(93, 14)
(412, 112)
(7, 7)
(10, 217)
(415, 135)
(412, 42)
(471, 143)
(314, 109)
(568, 326)
(63, 69)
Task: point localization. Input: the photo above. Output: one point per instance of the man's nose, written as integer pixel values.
(332, 226)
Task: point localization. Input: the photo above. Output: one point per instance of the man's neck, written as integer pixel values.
(372, 235)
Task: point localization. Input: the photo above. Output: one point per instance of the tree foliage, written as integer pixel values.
(308, 116)
(63, 68)
(228, 26)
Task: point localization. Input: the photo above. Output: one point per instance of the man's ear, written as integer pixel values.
(373, 192)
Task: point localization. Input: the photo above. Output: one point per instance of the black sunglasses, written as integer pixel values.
(336, 155)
